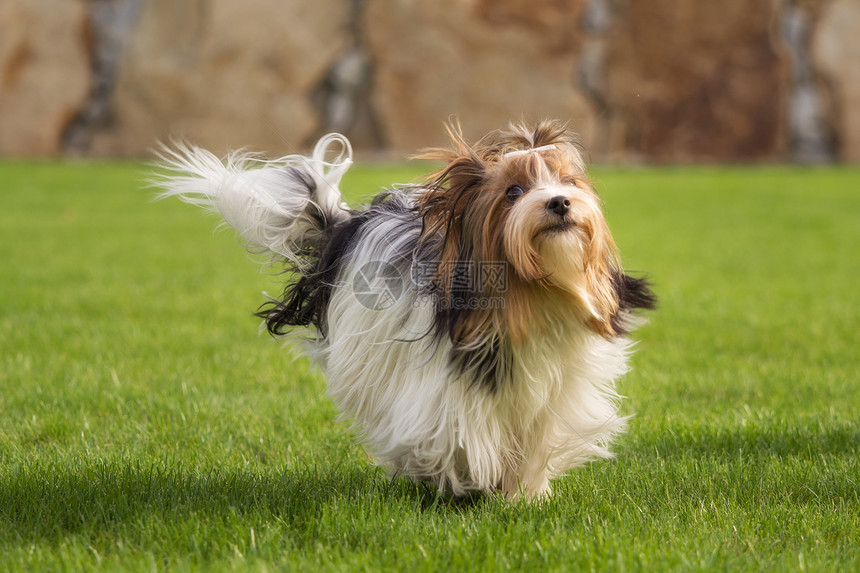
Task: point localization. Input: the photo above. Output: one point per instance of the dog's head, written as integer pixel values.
(522, 197)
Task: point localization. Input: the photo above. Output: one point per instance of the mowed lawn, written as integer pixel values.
(146, 424)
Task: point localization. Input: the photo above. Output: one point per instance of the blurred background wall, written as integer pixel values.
(641, 80)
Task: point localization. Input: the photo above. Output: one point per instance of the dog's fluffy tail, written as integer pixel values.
(284, 206)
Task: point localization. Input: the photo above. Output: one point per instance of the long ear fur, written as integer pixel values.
(447, 239)
(615, 295)
(445, 205)
(601, 266)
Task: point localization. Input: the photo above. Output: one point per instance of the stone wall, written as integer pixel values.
(45, 72)
(836, 58)
(663, 80)
(485, 61)
(696, 80)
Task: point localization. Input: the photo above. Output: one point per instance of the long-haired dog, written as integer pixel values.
(471, 327)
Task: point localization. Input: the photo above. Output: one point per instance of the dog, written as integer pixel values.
(471, 327)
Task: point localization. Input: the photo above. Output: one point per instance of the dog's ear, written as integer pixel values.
(603, 301)
(614, 295)
(634, 293)
(602, 267)
(451, 192)
(448, 208)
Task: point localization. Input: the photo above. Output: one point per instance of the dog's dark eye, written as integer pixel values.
(513, 193)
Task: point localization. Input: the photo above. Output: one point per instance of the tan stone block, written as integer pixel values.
(44, 73)
(488, 62)
(225, 74)
(697, 80)
(835, 54)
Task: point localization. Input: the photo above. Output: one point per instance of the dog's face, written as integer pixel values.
(522, 196)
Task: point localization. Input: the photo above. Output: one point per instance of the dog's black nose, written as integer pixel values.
(559, 205)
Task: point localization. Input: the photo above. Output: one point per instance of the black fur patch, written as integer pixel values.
(304, 178)
(306, 298)
(633, 294)
(487, 364)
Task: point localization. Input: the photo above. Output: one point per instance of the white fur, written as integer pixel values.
(259, 198)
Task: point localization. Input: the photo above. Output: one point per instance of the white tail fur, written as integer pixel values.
(282, 205)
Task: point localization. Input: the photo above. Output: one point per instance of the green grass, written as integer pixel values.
(146, 425)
